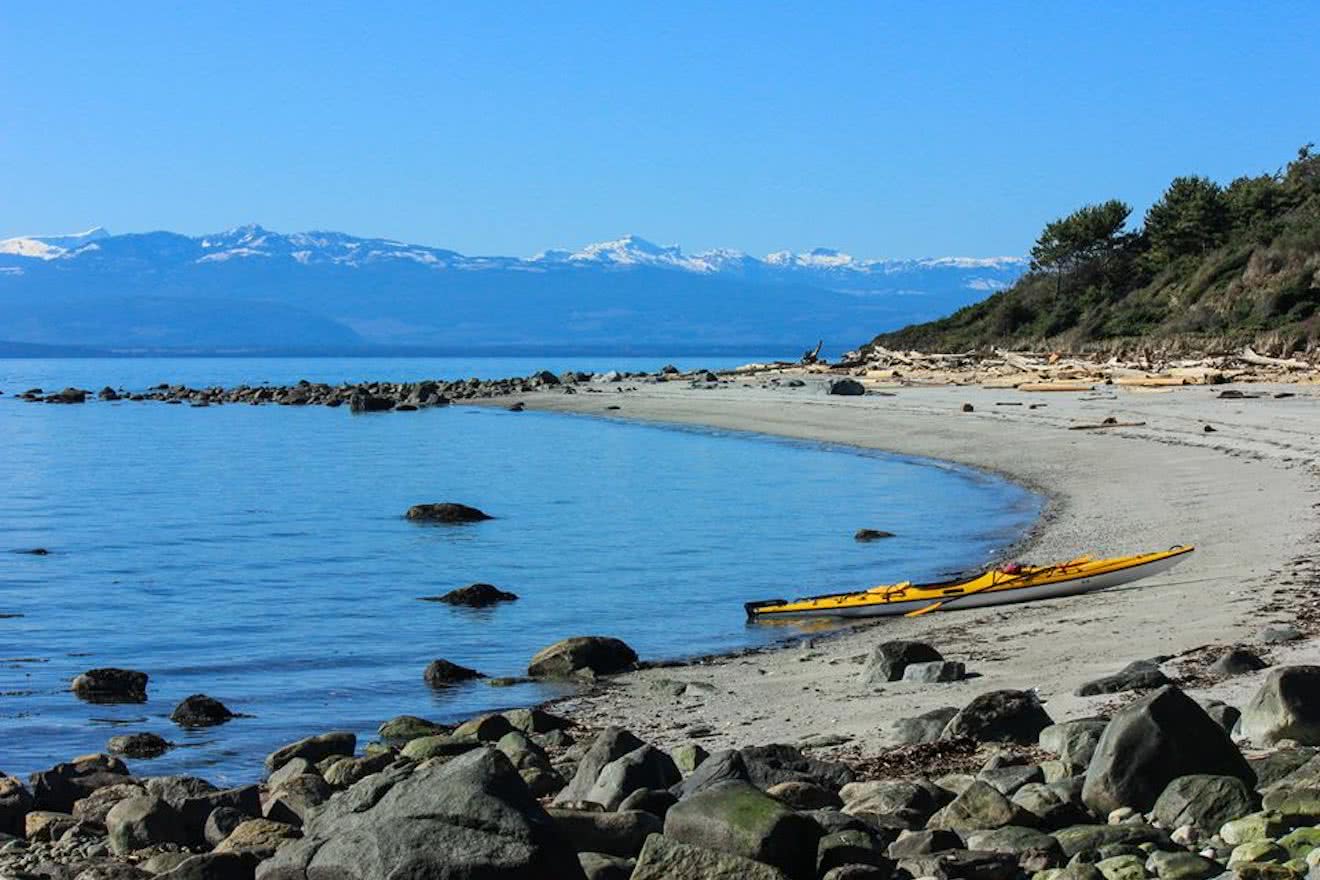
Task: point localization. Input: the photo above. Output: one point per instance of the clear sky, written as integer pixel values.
(885, 129)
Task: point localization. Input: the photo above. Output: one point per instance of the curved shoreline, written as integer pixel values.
(1243, 493)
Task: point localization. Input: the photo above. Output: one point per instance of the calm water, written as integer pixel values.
(259, 554)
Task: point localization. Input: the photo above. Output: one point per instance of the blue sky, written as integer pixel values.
(898, 130)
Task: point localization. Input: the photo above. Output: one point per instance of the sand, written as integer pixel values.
(1245, 495)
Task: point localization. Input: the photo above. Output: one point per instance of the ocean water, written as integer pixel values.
(260, 554)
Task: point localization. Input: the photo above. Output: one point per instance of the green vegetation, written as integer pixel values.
(1211, 267)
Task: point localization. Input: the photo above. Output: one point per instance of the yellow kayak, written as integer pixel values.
(998, 586)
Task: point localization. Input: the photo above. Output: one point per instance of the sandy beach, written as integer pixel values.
(1245, 495)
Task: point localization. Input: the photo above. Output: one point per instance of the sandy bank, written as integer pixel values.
(1245, 495)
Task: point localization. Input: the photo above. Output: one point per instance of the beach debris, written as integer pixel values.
(111, 685)
(446, 512)
(871, 535)
(811, 355)
(1107, 423)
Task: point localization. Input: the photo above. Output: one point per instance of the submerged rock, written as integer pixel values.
(199, 710)
(474, 596)
(442, 673)
(111, 685)
(138, 745)
(446, 512)
(871, 535)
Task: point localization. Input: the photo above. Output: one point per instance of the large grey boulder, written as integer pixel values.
(58, 788)
(740, 819)
(1287, 706)
(979, 807)
(778, 762)
(1140, 675)
(609, 745)
(1012, 839)
(15, 803)
(1205, 802)
(1000, 716)
(1237, 661)
(213, 866)
(663, 858)
(912, 803)
(889, 660)
(645, 767)
(923, 728)
(850, 847)
(617, 834)
(470, 818)
(139, 822)
(599, 655)
(1073, 742)
(1085, 838)
(97, 805)
(599, 866)
(1150, 743)
(724, 766)
(846, 387)
(313, 749)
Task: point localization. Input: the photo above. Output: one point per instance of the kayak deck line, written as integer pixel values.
(997, 586)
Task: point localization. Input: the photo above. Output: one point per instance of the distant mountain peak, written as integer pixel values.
(50, 247)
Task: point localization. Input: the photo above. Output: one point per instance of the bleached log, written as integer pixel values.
(1261, 360)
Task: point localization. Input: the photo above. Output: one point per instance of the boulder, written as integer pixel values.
(599, 654)
(849, 847)
(936, 671)
(1051, 808)
(918, 843)
(1150, 743)
(663, 858)
(804, 795)
(446, 512)
(1139, 675)
(531, 721)
(1203, 801)
(923, 728)
(260, 837)
(174, 790)
(15, 803)
(111, 685)
(442, 745)
(62, 785)
(1073, 741)
(1013, 839)
(609, 745)
(96, 806)
(1087, 838)
(645, 767)
(471, 817)
(346, 771)
(617, 834)
(688, 756)
(138, 745)
(362, 402)
(1184, 866)
(846, 387)
(139, 822)
(484, 728)
(909, 801)
(740, 819)
(1007, 780)
(772, 764)
(979, 807)
(720, 767)
(199, 710)
(213, 866)
(402, 728)
(1000, 716)
(1275, 634)
(1224, 715)
(313, 749)
(221, 823)
(292, 801)
(961, 864)
(889, 660)
(1264, 825)
(871, 535)
(599, 866)
(1287, 706)
(476, 596)
(649, 800)
(1236, 661)
(441, 673)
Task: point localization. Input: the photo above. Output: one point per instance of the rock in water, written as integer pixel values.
(740, 819)
(138, 745)
(199, 710)
(446, 512)
(472, 817)
(442, 673)
(476, 596)
(1287, 706)
(111, 685)
(1150, 743)
(1000, 716)
(361, 402)
(871, 535)
(599, 654)
(847, 387)
(313, 749)
(889, 660)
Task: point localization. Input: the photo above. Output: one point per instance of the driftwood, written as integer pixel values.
(1055, 386)
(1261, 360)
(812, 355)
(1101, 427)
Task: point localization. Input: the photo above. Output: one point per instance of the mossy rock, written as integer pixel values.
(1301, 842)
(1265, 825)
(1257, 851)
(1122, 868)
(1184, 866)
(440, 746)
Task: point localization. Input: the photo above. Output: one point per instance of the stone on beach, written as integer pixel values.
(663, 858)
(446, 512)
(1286, 706)
(1000, 716)
(846, 387)
(889, 660)
(1139, 675)
(935, 671)
(601, 655)
(1204, 802)
(15, 803)
(1237, 661)
(313, 748)
(199, 710)
(923, 728)
(609, 745)
(111, 685)
(740, 819)
(139, 822)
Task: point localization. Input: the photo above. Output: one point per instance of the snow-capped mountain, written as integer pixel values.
(330, 288)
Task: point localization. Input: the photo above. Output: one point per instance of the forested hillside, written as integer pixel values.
(1210, 266)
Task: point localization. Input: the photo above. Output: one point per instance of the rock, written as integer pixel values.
(688, 756)
(889, 660)
(915, 843)
(871, 534)
(164, 862)
(471, 817)
(197, 808)
(484, 728)
(772, 764)
(599, 654)
(199, 710)
(1007, 780)
(214, 866)
(848, 387)
(609, 745)
(174, 790)
(1089, 838)
(346, 771)
(909, 801)
(1237, 661)
(1204, 802)
(110, 685)
(1015, 840)
(291, 768)
(740, 819)
(1051, 808)
(1224, 715)
(1287, 706)
(261, 837)
(720, 767)
(960, 864)
(46, 825)
(1184, 866)
(649, 800)
(221, 823)
(293, 800)
(935, 671)
(1073, 741)
(980, 807)
(138, 745)
(1150, 743)
(598, 866)
(663, 858)
(1000, 716)
(96, 806)
(645, 767)
(442, 745)
(923, 728)
(849, 847)
(1275, 634)
(402, 728)
(1125, 867)
(1301, 842)
(361, 402)
(15, 803)
(1265, 825)
(442, 673)
(446, 512)
(139, 822)
(531, 721)
(59, 787)
(804, 796)
(616, 834)
(1257, 851)
(1140, 675)
(314, 748)
(476, 596)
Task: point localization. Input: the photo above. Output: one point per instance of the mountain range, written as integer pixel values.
(250, 288)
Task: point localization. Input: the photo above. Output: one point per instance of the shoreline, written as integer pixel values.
(1178, 479)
